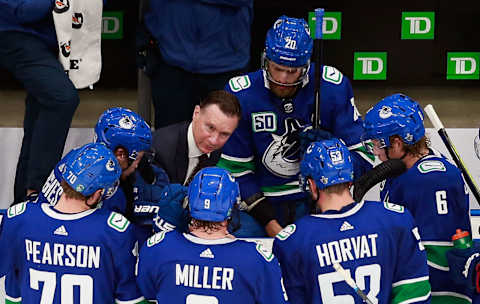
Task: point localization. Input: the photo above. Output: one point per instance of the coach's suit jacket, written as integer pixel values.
(171, 151)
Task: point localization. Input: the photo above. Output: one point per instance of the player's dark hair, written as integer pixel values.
(206, 226)
(71, 193)
(417, 148)
(227, 102)
(337, 188)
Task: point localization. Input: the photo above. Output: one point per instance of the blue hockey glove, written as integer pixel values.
(464, 266)
(171, 214)
(309, 135)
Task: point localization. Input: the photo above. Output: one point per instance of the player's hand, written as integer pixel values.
(171, 213)
(464, 267)
(133, 166)
(309, 135)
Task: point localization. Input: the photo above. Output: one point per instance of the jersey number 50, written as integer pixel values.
(326, 280)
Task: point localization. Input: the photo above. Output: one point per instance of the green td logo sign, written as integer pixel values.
(463, 65)
(112, 25)
(370, 66)
(418, 25)
(331, 27)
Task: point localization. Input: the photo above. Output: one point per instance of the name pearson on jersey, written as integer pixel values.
(71, 255)
(208, 278)
(348, 249)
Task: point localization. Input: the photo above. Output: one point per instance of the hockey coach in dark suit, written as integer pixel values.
(182, 149)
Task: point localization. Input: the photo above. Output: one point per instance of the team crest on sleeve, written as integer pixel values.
(428, 166)
(264, 252)
(156, 238)
(239, 83)
(16, 209)
(332, 75)
(394, 207)
(286, 232)
(118, 222)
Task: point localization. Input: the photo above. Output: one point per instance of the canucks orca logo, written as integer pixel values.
(61, 6)
(65, 48)
(282, 156)
(77, 20)
(126, 122)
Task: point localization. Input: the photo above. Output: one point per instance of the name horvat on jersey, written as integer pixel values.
(212, 277)
(71, 255)
(52, 190)
(349, 249)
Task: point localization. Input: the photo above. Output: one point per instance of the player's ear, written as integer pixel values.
(93, 199)
(396, 143)
(312, 185)
(196, 112)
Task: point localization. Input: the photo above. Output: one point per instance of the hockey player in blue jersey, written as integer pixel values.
(208, 265)
(432, 188)
(277, 105)
(73, 252)
(377, 244)
(128, 135)
(464, 263)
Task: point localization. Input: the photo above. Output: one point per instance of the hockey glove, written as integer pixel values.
(309, 135)
(171, 213)
(259, 208)
(464, 267)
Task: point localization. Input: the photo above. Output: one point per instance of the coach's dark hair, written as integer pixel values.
(227, 102)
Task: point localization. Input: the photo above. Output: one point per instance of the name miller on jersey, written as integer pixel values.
(349, 249)
(212, 278)
(71, 255)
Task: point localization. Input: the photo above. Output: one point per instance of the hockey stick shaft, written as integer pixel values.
(437, 124)
(318, 43)
(351, 283)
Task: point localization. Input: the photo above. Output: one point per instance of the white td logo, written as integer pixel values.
(107, 23)
(415, 25)
(460, 65)
(334, 25)
(367, 65)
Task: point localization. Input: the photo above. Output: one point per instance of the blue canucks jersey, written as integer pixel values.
(263, 152)
(434, 192)
(52, 190)
(86, 257)
(181, 268)
(378, 245)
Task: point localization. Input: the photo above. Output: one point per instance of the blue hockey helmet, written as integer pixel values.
(212, 194)
(123, 127)
(397, 114)
(289, 43)
(91, 167)
(327, 162)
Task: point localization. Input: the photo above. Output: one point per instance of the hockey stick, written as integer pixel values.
(437, 124)
(388, 169)
(351, 283)
(319, 12)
